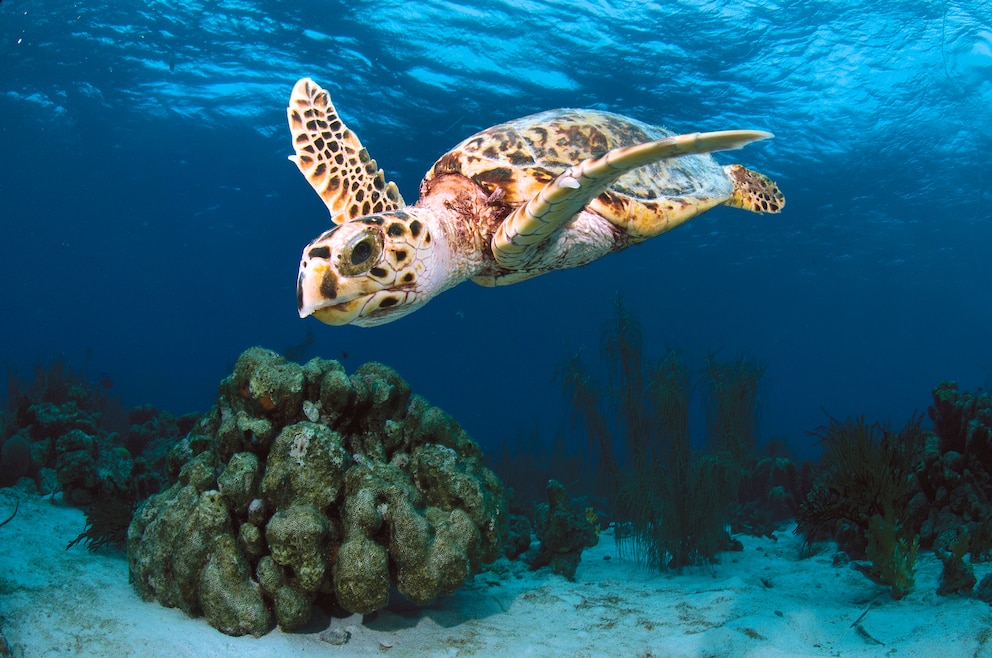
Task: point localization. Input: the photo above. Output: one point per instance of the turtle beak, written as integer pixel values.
(336, 299)
(308, 283)
(318, 294)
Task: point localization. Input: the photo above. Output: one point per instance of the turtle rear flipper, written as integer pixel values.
(333, 160)
(753, 191)
(561, 199)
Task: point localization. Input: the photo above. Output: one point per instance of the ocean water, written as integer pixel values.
(152, 225)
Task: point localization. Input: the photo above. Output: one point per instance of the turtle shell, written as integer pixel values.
(516, 159)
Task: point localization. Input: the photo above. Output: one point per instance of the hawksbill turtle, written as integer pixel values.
(549, 191)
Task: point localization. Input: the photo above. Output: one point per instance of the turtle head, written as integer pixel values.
(370, 270)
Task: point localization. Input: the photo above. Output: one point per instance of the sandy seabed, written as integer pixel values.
(764, 601)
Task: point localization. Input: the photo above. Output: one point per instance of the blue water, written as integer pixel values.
(152, 225)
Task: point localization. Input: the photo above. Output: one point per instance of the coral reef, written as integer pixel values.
(892, 556)
(518, 539)
(955, 472)
(64, 434)
(984, 590)
(15, 459)
(864, 497)
(868, 470)
(307, 486)
(563, 533)
(107, 519)
(884, 495)
(958, 577)
(771, 492)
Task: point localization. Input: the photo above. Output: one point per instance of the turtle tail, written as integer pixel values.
(753, 191)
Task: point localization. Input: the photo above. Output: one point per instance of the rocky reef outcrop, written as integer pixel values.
(305, 486)
(954, 472)
(61, 433)
(563, 532)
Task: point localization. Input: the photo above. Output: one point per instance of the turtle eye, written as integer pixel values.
(361, 253)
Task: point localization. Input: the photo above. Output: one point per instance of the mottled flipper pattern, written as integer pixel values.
(559, 201)
(333, 160)
(753, 191)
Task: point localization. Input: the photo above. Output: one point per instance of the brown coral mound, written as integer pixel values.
(304, 486)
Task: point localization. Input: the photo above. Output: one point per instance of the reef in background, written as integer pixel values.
(304, 485)
(61, 433)
(884, 495)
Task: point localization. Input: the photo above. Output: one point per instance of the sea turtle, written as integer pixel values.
(546, 192)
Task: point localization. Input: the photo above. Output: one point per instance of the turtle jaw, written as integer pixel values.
(337, 314)
(320, 292)
(337, 299)
(365, 311)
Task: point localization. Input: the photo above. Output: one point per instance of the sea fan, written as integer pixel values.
(107, 520)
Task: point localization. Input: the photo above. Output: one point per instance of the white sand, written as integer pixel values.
(764, 601)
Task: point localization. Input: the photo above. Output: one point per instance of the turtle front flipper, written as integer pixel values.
(530, 224)
(333, 160)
